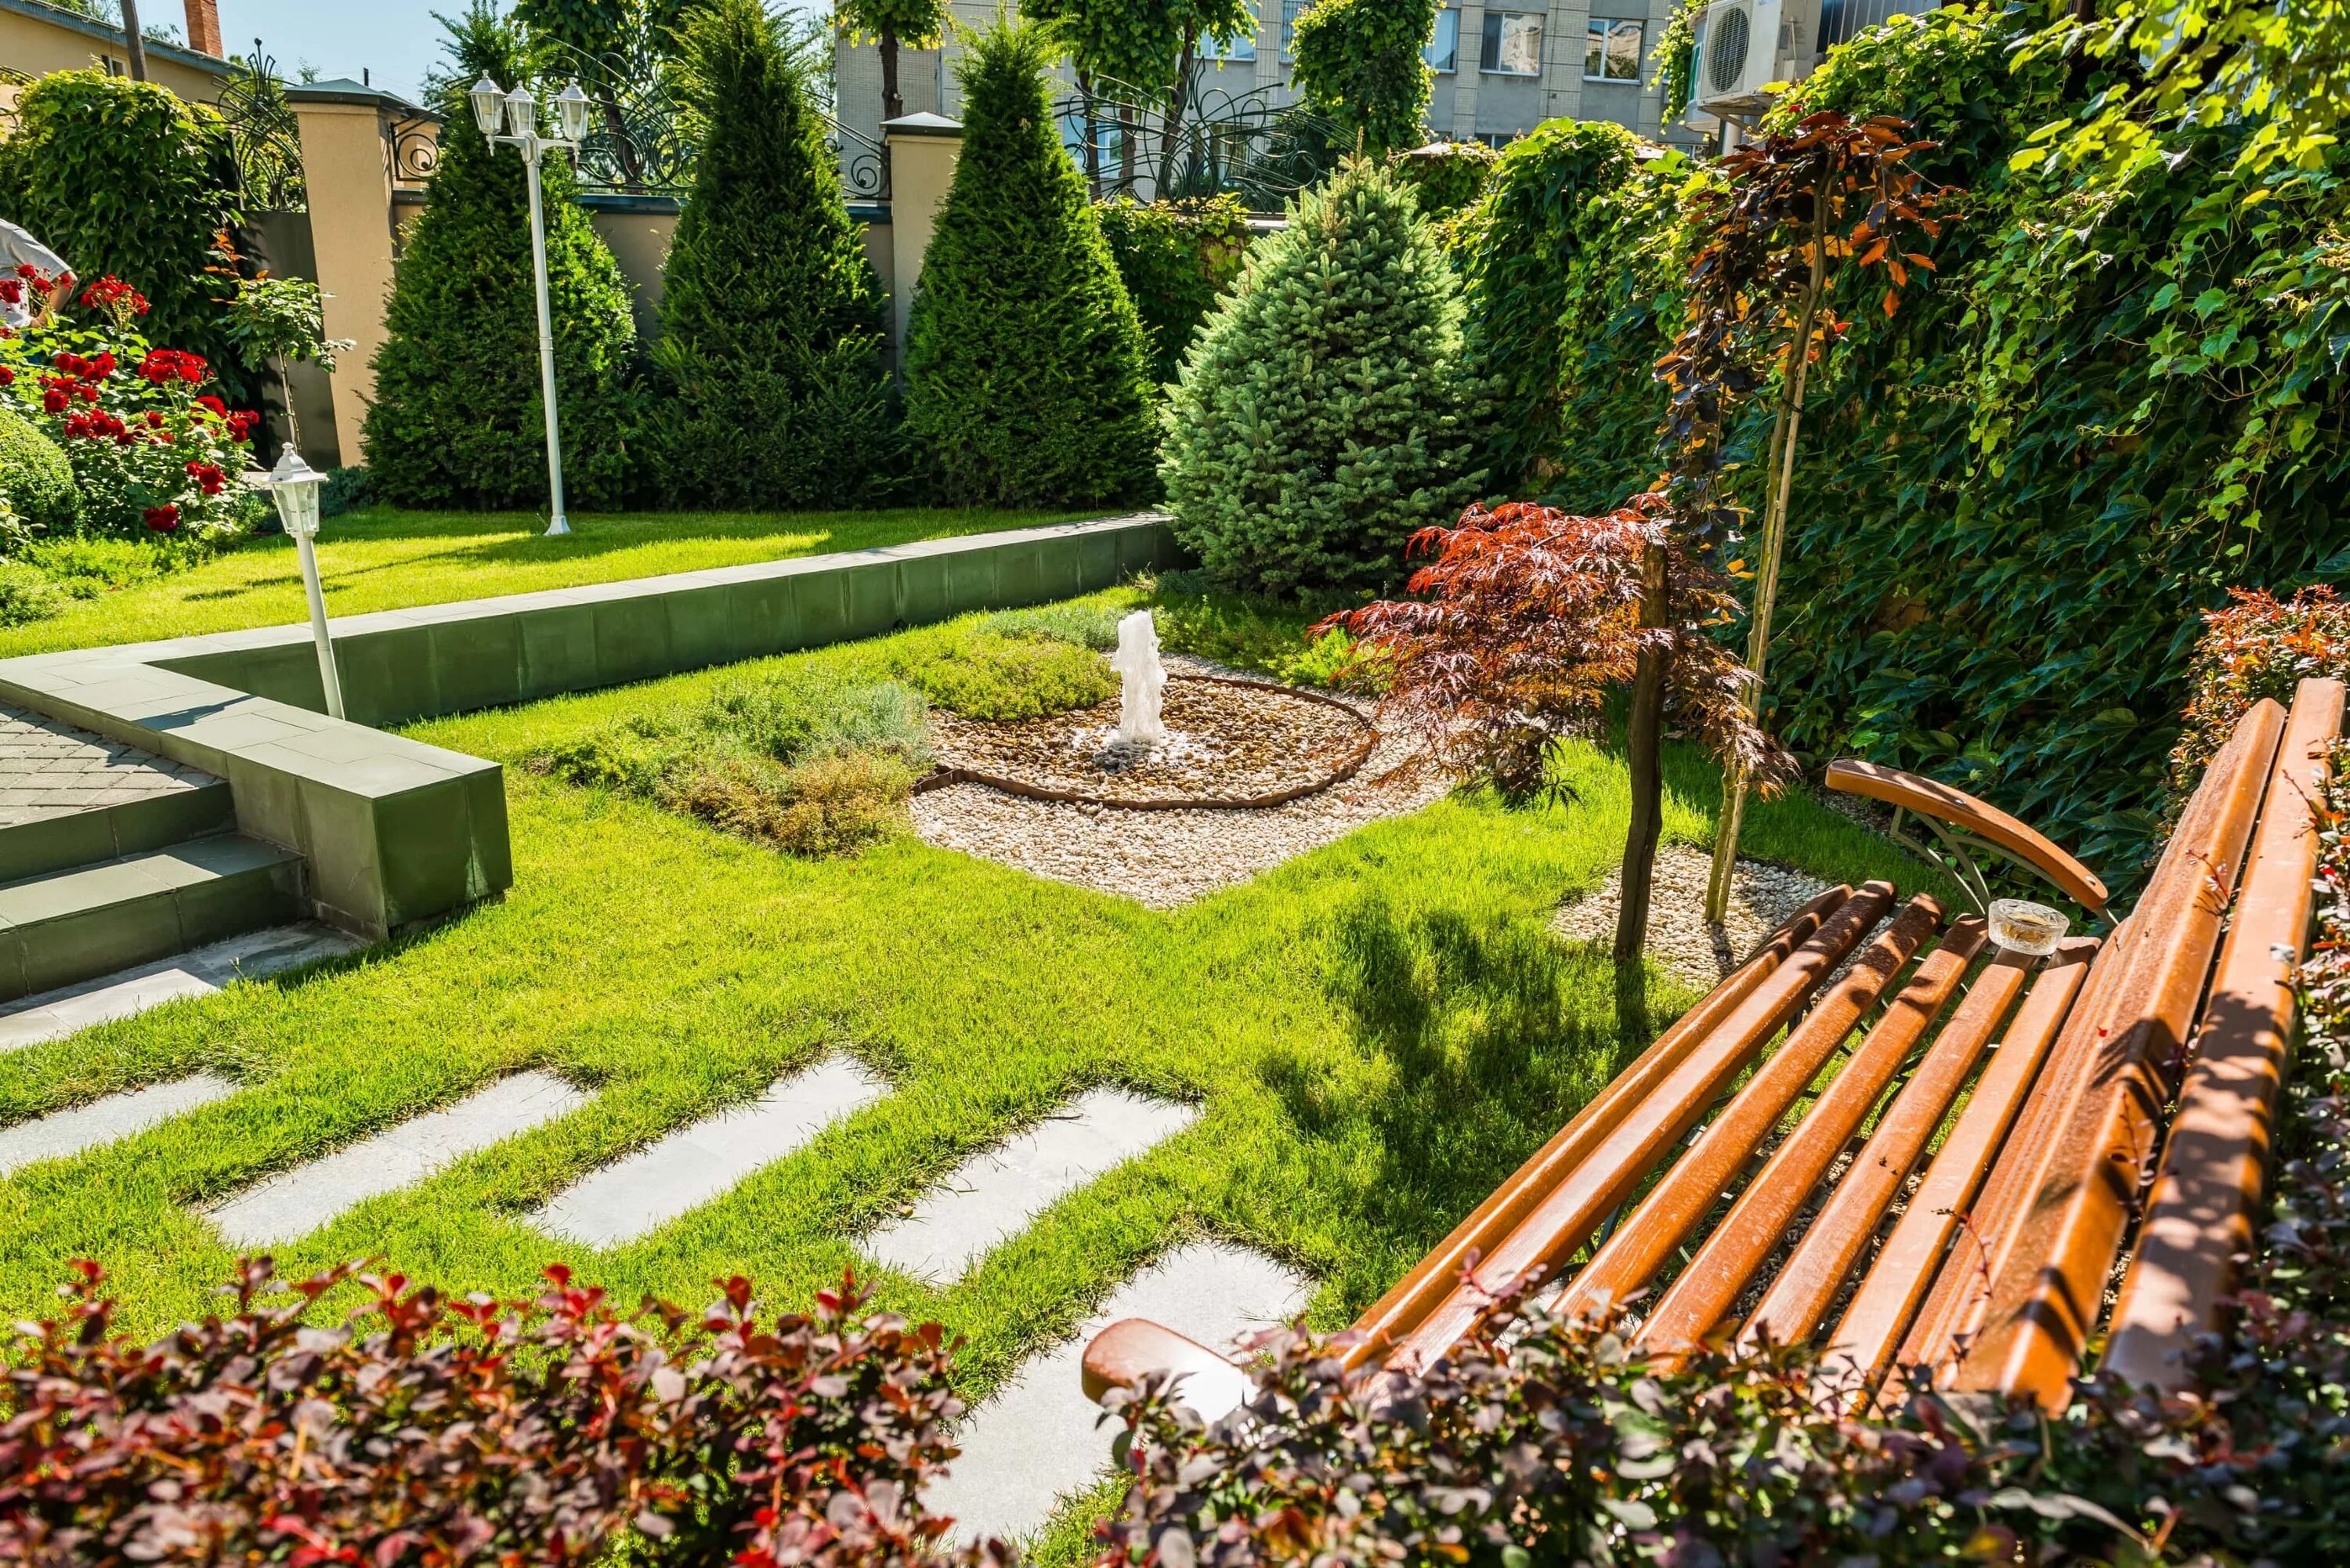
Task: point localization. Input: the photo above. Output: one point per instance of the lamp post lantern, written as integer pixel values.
(519, 110)
(294, 485)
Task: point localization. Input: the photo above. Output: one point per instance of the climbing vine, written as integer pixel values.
(1676, 59)
(1359, 63)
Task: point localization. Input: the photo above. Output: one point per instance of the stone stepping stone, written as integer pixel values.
(1038, 1438)
(200, 972)
(994, 1195)
(65, 1133)
(297, 1202)
(689, 1167)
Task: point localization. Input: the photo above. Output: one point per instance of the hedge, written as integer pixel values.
(458, 418)
(1025, 358)
(773, 326)
(35, 477)
(124, 178)
(1175, 258)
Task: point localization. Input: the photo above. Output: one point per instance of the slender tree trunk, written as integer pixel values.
(623, 147)
(1784, 430)
(1093, 136)
(892, 106)
(1644, 750)
(1126, 128)
(133, 42)
(1185, 63)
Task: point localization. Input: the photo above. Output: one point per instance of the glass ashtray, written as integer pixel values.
(2022, 926)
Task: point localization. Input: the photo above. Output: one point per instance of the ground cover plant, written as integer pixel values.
(384, 559)
(1375, 1034)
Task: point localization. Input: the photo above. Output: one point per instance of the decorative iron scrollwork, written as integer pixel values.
(1244, 144)
(415, 143)
(864, 163)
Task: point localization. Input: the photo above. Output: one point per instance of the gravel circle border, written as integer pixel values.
(1365, 743)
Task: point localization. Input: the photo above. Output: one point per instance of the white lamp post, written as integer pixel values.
(294, 485)
(521, 118)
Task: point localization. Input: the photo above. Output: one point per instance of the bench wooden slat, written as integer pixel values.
(1953, 1309)
(1128, 1350)
(2048, 1292)
(1402, 1308)
(1926, 796)
(2214, 1163)
(1562, 1221)
(1757, 1222)
(1696, 1181)
(1881, 1309)
(1807, 1286)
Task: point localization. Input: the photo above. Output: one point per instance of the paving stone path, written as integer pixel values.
(199, 972)
(994, 1195)
(105, 1121)
(49, 769)
(297, 1202)
(1040, 1438)
(697, 1163)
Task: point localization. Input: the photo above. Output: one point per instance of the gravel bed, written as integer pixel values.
(1224, 742)
(1762, 897)
(1167, 858)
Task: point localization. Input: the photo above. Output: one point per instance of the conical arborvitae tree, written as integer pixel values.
(458, 420)
(1324, 417)
(773, 330)
(1025, 359)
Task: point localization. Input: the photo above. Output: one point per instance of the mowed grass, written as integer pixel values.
(382, 558)
(1375, 1034)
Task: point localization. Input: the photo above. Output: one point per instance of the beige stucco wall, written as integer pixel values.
(37, 46)
(921, 170)
(347, 166)
(639, 243)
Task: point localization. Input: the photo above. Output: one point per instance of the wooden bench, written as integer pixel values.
(2030, 1119)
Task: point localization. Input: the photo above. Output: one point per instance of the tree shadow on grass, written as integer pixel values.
(1473, 1040)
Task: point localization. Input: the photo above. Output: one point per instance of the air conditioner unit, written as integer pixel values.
(1744, 45)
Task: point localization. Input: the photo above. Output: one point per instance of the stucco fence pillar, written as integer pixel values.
(922, 150)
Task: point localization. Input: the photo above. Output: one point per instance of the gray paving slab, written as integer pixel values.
(297, 1202)
(1039, 1439)
(105, 1121)
(995, 1194)
(202, 971)
(638, 1194)
(49, 769)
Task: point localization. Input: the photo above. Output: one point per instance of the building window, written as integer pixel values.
(1290, 11)
(1499, 140)
(1443, 51)
(1611, 51)
(1513, 43)
(1109, 146)
(1240, 48)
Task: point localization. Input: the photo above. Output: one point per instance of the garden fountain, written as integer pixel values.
(1143, 682)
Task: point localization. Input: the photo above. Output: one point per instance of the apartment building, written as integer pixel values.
(1501, 70)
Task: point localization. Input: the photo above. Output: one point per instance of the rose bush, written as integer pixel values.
(153, 451)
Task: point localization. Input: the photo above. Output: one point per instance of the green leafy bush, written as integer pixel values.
(1325, 416)
(1175, 257)
(1361, 64)
(35, 477)
(1571, 273)
(124, 179)
(458, 420)
(1448, 180)
(1025, 358)
(983, 675)
(772, 323)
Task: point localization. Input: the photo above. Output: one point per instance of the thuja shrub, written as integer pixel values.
(428, 1429)
(1175, 257)
(1025, 363)
(458, 418)
(124, 178)
(1323, 416)
(772, 322)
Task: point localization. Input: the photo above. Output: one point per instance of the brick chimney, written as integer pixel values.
(204, 29)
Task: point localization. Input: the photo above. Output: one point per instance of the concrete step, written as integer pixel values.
(69, 926)
(69, 797)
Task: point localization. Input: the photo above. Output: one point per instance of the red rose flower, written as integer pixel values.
(213, 405)
(154, 420)
(162, 519)
(7, 376)
(53, 400)
(103, 367)
(241, 423)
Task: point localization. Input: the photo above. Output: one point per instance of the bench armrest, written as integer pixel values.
(1131, 1349)
(1984, 820)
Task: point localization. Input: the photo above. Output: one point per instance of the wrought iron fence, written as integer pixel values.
(1137, 143)
(1842, 21)
(265, 136)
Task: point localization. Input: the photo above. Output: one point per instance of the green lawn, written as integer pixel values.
(1376, 1033)
(381, 558)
